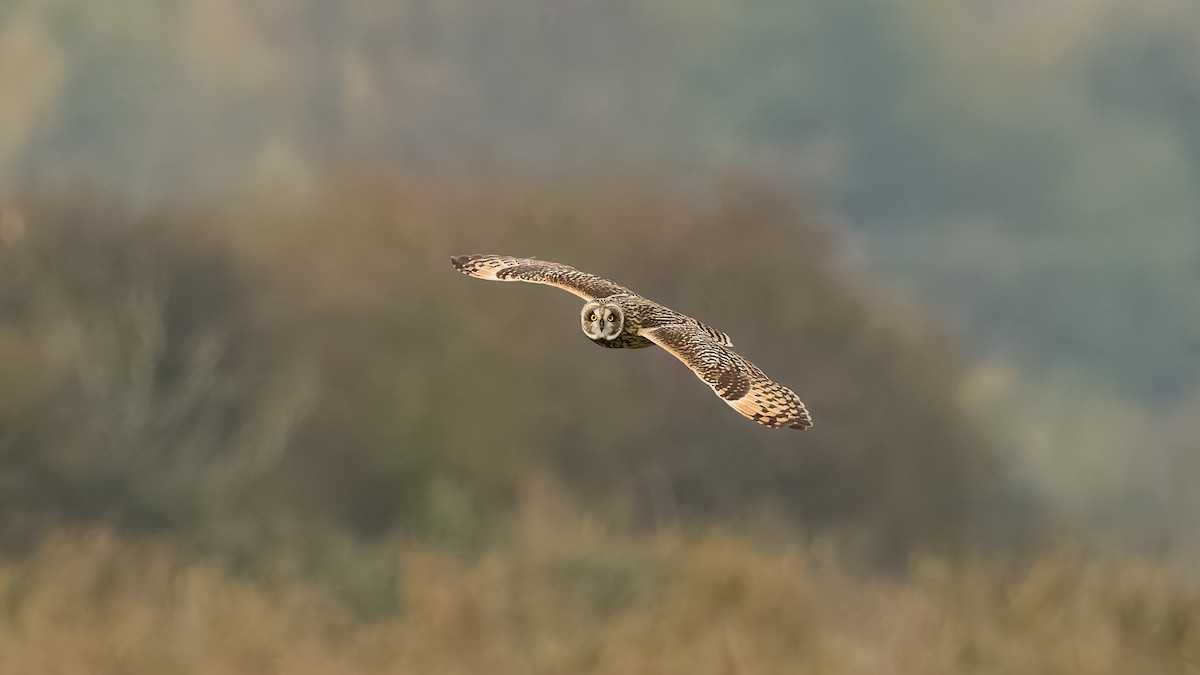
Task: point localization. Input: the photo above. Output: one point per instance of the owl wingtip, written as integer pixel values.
(460, 261)
(802, 423)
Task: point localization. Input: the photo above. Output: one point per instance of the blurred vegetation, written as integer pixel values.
(247, 373)
(96, 603)
(1031, 169)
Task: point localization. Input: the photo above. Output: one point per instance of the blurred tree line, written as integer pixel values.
(1029, 168)
(257, 371)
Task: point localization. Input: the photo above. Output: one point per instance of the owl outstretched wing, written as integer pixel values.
(508, 268)
(737, 381)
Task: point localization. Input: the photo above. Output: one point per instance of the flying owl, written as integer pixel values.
(616, 317)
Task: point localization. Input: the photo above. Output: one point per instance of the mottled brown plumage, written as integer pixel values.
(616, 317)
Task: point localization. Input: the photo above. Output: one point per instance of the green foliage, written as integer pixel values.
(929, 122)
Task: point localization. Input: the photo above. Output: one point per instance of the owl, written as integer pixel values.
(615, 317)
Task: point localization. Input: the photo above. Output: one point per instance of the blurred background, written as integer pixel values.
(251, 420)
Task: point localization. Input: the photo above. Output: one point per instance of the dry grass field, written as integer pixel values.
(92, 602)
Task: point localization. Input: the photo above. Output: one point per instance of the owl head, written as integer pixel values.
(602, 320)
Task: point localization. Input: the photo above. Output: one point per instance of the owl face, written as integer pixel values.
(602, 320)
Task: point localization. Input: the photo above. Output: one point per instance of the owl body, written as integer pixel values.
(625, 340)
(617, 318)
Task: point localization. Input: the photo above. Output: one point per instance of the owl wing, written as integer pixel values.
(508, 268)
(740, 383)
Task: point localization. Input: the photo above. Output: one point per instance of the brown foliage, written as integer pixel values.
(260, 368)
(93, 602)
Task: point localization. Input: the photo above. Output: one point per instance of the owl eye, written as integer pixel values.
(592, 316)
